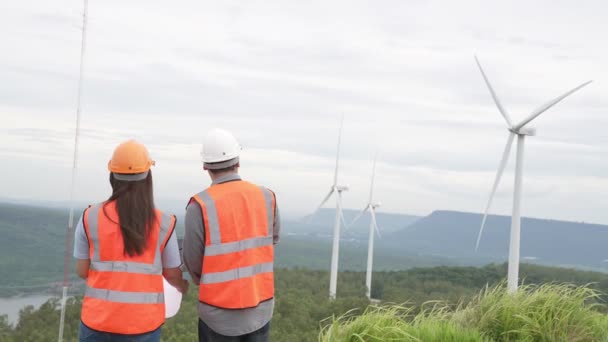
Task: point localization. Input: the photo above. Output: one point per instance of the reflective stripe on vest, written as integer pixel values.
(231, 247)
(126, 297)
(213, 223)
(237, 273)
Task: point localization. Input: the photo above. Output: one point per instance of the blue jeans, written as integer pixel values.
(87, 334)
(205, 334)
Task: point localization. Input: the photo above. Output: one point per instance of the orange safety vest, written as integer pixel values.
(238, 260)
(124, 294)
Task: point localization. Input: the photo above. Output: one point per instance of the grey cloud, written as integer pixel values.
(403, 74)
(165, 89)
(22, 87)
(519, 40)
(40, 135)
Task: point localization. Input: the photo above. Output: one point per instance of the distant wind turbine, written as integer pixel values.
(373, 226)
(521, 131)
(338, 189)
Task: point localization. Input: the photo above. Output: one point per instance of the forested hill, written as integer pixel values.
(302, 306)
(32, 247)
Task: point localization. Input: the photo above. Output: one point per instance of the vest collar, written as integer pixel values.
(226, 178)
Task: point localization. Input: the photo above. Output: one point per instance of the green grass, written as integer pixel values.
(397, 323)
(549, 312)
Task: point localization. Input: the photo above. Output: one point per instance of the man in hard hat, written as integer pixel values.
(231, 229)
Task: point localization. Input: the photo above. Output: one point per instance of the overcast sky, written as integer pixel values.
(279, 74)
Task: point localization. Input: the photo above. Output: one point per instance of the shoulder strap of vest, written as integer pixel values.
(84, 222)
(199, 198)
(167, 227)
(91, 225)
(269, 198)
(209, 213)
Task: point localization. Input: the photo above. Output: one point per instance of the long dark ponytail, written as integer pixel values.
(136, 214)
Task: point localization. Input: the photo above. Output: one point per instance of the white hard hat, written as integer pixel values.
(220, 149)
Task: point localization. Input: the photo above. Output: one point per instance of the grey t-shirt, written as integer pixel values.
(222, 321)
(170, 256)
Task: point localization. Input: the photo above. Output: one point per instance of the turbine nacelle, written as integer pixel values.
(340, 188)
(376, 205)
(527, 131)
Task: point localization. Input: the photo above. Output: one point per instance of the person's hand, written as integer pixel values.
(183, 288)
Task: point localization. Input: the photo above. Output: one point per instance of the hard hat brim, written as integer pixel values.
(222, 164)
(130, 177)
(218, 159)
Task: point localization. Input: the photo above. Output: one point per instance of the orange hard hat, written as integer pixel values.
(130, 157)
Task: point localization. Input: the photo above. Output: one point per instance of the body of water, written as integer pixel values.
(11, 306)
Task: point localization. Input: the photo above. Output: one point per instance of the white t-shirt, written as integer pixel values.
(170, 256)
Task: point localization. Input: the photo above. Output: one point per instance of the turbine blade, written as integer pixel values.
(359, 215)
(371, 188)
(548, 105)
(493, 93)
(338, 151)
(375, 223)
(501, 169)
(331, 191)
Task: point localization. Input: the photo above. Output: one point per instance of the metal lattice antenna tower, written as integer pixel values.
(68, 238)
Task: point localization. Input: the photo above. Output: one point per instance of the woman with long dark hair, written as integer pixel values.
(124, 247)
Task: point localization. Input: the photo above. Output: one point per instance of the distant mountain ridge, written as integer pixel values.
(453, 234)
(322, 223)
(443, 235)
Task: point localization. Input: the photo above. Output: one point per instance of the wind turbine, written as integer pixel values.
(521, 131)
(338, 189)
(373, 226)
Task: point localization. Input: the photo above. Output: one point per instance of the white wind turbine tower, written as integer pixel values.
(521, 131)
(338, 189)
(373, 226)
